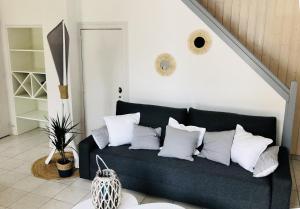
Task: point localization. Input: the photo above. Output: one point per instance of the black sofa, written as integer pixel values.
(202, 182)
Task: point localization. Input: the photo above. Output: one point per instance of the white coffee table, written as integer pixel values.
(157, 206)
(128, 201)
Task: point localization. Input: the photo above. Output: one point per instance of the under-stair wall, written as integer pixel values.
(217, 80)
(270, 29)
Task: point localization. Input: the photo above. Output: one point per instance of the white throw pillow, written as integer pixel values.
(120, 128)
(174, 124)
(247, 148)
(267, 162)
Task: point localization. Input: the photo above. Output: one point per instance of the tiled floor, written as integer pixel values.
(20, 190)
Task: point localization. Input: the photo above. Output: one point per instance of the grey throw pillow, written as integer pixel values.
(217, 146)
(267, 162)
(101, 137)
(179, 144)
(145, 138)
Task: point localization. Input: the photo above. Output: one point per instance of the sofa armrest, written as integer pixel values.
(281, 182)
(85, 147)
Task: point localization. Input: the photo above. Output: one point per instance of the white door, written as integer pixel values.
(105, 74)
(4, 111)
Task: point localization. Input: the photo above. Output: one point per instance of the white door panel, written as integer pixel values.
(104, 71)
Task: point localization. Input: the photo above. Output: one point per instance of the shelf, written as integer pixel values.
(24, 84)
(16, 83)
(39, 86)
(25, 38)
(22, 94)
(27, 50)
(20, 77)
(37, 115)
(30, 98)
(21, 60)
(30, 85)
(40, 78)
(41, 94)
(36, 71)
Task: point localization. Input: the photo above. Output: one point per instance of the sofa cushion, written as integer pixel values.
(101, 137)
(145, 138)
(221, 121)
(120, 128)
(179, 144)
(217, 146)
(214, 185)
(246, 148)
(153, 116)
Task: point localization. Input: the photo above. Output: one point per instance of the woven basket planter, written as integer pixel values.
(65, 170)
(106, 188)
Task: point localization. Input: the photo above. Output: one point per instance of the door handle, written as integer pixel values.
(120, 90)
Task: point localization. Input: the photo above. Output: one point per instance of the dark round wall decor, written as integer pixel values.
(199, 42)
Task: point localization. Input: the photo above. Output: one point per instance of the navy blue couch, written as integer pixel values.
(202, 182)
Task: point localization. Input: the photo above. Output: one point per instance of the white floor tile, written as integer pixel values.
(9, 178)
(28, 184)
(67, 181)
(30, 201)
(11, 163)
(3, 187)
(25, 168)
(49, 189)
(3, 171)
(56, 204)
(33, 154)
(87, 196)
(82, 183)
(72, 194)
(12, 152)
(3, 158)
(10, 196)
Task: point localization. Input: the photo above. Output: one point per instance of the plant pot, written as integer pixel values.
(65, 169)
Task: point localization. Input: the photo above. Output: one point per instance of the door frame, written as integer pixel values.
(6, 79)
(100, 26)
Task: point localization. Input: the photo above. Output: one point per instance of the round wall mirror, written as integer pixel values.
(199, 42)
(165, 64)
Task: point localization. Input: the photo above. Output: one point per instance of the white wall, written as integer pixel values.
(218, 80)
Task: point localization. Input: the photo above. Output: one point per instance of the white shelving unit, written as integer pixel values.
(29, 79)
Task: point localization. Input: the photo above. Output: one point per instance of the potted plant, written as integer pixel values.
(61, 132)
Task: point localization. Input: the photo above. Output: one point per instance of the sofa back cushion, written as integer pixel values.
(152, 115)
(221, 121)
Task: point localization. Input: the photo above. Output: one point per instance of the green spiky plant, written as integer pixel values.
(57, 132)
